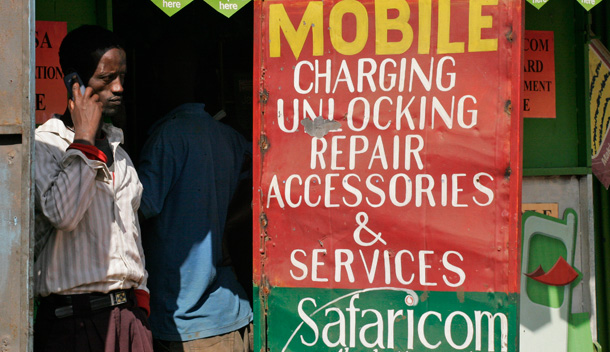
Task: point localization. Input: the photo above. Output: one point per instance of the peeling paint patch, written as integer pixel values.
(460, 296)
(508, 107)
(263, 143)
(11, 156)
(319, 127)
(5, 344)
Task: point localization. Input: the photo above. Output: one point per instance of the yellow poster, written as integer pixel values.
(599, 97)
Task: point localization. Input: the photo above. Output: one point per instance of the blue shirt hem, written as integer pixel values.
(206, 332)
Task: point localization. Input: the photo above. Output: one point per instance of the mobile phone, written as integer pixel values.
(72, 78)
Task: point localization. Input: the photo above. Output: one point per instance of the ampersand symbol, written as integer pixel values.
(362, 219)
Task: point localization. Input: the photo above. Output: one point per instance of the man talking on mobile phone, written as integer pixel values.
(89, 269)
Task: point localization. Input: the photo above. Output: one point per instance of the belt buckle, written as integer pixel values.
(63, 312)
(118, 298)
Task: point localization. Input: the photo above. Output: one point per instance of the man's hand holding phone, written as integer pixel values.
(86, 112)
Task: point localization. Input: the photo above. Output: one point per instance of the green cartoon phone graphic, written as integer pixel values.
(547, 274)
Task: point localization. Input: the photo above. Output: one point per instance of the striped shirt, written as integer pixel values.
(87, 235)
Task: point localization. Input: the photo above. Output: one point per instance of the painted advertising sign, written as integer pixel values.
(387, 178)
(539, 74)
(226, 7)
(170, 7)
(51, 94)
(587, 4)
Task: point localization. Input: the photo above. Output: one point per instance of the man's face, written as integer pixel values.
(107, 80)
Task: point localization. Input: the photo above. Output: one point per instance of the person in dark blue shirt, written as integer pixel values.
(190, 168)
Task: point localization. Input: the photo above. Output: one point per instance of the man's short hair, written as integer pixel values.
(82, 49)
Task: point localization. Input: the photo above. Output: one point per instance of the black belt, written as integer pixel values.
(68, 305)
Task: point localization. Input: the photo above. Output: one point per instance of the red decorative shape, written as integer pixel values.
(538, 272)
(561, 274)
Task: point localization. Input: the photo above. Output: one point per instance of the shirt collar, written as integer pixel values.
(56, 126)
(186, 108)
(114, 134)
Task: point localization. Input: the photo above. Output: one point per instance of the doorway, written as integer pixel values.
(197, 55)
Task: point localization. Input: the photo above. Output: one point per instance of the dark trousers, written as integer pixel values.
(120, 328)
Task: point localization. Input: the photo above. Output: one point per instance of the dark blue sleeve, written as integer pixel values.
(246, 147)
(161, 162)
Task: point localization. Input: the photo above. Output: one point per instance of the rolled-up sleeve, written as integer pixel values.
(65, 183)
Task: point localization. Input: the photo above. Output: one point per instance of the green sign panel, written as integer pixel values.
(588, 4)
(171, 7)
(538, 3)
(227, 7)
(378, 319)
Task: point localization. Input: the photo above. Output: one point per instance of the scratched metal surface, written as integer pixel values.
(16, 127)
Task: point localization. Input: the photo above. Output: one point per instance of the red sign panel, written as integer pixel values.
(389, 159)
(51, 94)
